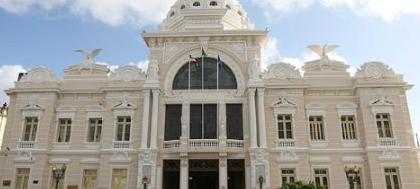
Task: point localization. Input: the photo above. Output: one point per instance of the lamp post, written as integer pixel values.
(261, 181)
(58, 173)
(353, 176)
(145, 180)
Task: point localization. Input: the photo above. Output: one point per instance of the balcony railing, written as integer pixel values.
(203, 143)
(171, 144)
(285, 143)
(387, 142)
(121, 144)
(26, 144)
(230, 143)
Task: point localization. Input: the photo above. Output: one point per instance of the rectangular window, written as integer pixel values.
(173, 126)
(31, 126)
(64, 130)
(287, 175)
(119, 179)
(57, 183)
(316, 125)
(203, 121)
(22, 178)
(123, 128)
(284, 126)
(348, 127)
(321, 177)
(392, 178)
(234, 121)
(94, 130)
(89, 179)
(383, 122)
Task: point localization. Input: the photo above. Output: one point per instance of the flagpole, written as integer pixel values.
(189, 72)
(202, 68)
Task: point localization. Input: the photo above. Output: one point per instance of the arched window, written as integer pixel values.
(196, 4)
(207, 75)
(213, 3)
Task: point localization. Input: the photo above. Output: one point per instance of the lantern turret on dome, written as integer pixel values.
(193, 15)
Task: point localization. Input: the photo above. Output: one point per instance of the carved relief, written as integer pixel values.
(153, 71)
(283, 102)
(282, 71)
(381, 101)
(287, 156)
(128, 73)
(254, 69)
(39, 75)
(375, 70)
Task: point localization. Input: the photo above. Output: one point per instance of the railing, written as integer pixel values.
(203, 143)
(121, 144)
(26, 144)
(285, 143)
(387, 142)
(231, 143)
(171, 144)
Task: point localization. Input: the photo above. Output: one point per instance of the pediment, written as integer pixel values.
(315, 105)
(283, 102)
(282, 71)
(124, 104)
(375, 70)
(128, 73)
(381, 101)
(39, 75)
(32, 106)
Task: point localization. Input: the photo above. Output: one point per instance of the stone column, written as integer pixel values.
(222, 125)
(261, 118)
(252, 118)
(145, 130)
(154, 123)
(183, 176)
(223, 174)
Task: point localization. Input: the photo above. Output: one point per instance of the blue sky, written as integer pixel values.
(45, 33)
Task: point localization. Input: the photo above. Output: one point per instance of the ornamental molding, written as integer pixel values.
(32, 110)
(381, 101)
(283, 102)
(346, 108)
(352, 159)
(320, 159)
(120, 157)
(95, 111)
(39, 75)
(287, 156)
(123, 105)
(66, 112)
(375, 70)
(148, 157)
(282, 71)
(127, 73)
(230, 59)
(389, 154)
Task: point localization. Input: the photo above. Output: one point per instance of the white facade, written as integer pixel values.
(307, 126)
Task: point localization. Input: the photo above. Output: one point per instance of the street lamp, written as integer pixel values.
(58, 173)
(145, 180)
(261, 181)
(353, 176)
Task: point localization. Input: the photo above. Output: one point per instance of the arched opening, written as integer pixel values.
(207, 74)
(196, 4)
(213, 3)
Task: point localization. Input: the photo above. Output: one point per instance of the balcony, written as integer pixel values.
(171, 144)
(121, 144)
(203, 143)
(387, 142)
(285, 143)
(26, 144)
(230, 143)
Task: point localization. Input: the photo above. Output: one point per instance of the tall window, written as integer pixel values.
(64, 130)
(288, 175)
(321, 177)
(284, 126)
(348, 127)
(173, 126)
(316, 125)
(383, 122)
(392, 178)
(57, 183)
(123, 128)
(208, 75)
(31, 126)
(203, 121)
(94, 130)
(89, 179)
(234, 121)
(119, 179)
(22, 178)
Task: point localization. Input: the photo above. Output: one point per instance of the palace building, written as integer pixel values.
(204, 116)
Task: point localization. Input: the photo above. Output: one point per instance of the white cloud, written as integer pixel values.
(387, 10)
(270, 53)
(9, 74)
(112, 12)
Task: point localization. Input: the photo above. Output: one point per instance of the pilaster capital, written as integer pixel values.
(146, 91)
(155, 92)
(261, 91)
(251, 91)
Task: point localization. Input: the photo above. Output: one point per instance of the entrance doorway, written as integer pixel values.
(170, 174)
(236, 174)
(203, 174)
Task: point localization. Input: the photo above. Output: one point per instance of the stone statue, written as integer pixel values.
(153, 71)
(322, 51)
(254, 69)
(89, 56)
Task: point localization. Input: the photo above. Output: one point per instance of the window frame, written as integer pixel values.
(323, 127)
(203, 121)
(382, 125)
(119, 167)
(16, 175)
(22, 139)
(124, 129)
(327, 175)
(398, 174)
(285, 130)
(96, 126)
(288, 175)
(83, 175)
(355, 129)
(58, 130)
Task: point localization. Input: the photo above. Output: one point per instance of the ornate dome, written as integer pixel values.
(188, 15)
